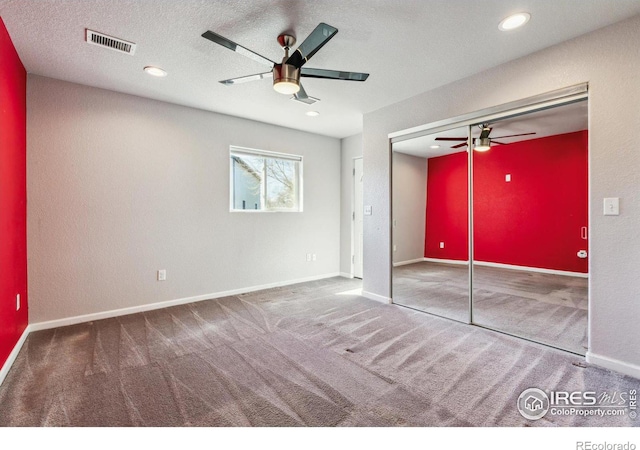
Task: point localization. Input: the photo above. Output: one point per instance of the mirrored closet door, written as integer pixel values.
(430, 224)
(518, 199)
(530, 230)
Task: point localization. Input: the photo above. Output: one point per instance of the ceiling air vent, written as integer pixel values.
(102, 40)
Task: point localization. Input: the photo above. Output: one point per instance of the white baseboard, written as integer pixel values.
(532, 269)
(406, 263)
(613, 364)
(346, 275)
(511, 267)
(447, 261)
(376, 297)
(159, 305)
(14, 354)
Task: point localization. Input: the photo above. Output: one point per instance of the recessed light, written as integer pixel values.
(435, 146)
(514, 21)
(312, 113)
(155, 71)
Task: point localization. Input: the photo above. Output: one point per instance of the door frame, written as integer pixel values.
(354, 207)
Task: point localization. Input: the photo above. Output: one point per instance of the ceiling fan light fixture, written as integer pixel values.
(482, 144)
(514, 21)
(286, 87)
(286, 79)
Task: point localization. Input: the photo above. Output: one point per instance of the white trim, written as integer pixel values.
(511, 267)
(159, 305)
(346, 275)
(447, 261)
(234, 149)
(613, 364)
(353, 215)
(376, 297)
(14, 354)
(558, 97)
(406, 263)
(532, 269)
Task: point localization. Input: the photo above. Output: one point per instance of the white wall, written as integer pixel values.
(609, 60)
(351, 148)
(120, 186)
(409, 206)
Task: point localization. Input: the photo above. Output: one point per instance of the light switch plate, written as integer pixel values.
(612, 206)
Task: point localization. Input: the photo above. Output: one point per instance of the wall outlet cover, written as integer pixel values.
(612, 206)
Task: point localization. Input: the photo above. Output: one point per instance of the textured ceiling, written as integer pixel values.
(408, 47)
(548, 122)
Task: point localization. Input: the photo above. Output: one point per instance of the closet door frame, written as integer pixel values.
(560, 97)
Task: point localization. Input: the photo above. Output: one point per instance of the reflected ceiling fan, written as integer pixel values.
(286, 75)
(482, 143)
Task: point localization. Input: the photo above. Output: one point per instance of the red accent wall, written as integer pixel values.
(13, 196)
(447, 211)
(535, 220)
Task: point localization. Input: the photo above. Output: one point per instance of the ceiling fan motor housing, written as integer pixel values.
(286, 75)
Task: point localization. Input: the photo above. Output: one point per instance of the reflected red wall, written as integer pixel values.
(534, 220)
(447, 211)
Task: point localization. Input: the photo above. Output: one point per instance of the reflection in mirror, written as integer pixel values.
(530, 210)
(430, 222)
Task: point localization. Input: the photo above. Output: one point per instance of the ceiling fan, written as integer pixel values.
(286, 75)
(482, 143)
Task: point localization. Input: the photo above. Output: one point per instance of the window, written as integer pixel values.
(265, 181)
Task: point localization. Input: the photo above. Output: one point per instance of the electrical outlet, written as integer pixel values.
(162, 275)
(441, 244)
(313, 257)
(17, 302)
(308, 257)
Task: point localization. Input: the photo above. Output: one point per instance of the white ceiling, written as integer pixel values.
(548, 122)
(408, 47)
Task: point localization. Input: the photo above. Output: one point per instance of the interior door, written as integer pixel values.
(358, 216)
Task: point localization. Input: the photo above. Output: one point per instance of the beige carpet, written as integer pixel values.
(312, 354)
(546, 308)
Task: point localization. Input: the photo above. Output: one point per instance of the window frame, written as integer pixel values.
(240, 151)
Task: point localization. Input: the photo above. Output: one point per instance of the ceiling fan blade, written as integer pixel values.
(460, 145)
(485, 133)
(257, 76)
(451, 139)
(499, 143)
(333, 74)
(213, 37)
(314, 42)
(302, 97)
(514, 135)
